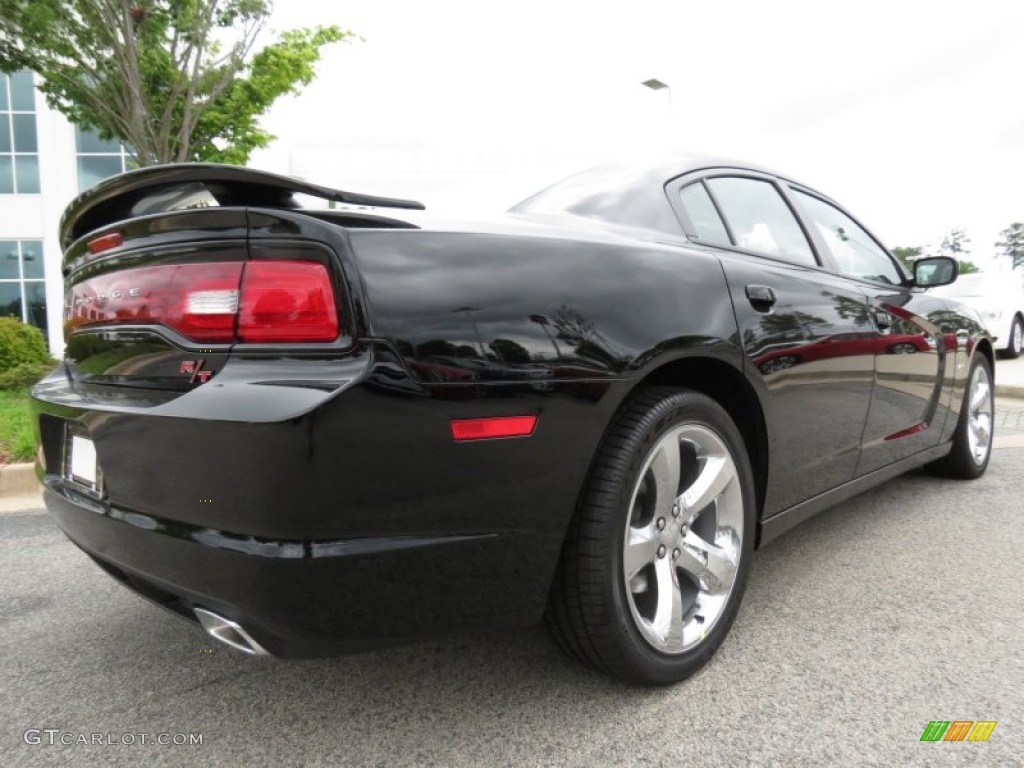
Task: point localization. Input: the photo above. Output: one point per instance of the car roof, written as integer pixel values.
(627, 191)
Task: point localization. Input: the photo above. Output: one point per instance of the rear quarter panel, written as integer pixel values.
(568, 328)
(583, 308)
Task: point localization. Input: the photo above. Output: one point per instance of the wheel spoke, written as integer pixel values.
(641, 550)
(668, 616)
(665, 466)
(714, 478)
(713, 566)
(980, 396)
(981, 431)
(979, 416)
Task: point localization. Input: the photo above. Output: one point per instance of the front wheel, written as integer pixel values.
(972, 440)
(657, 556)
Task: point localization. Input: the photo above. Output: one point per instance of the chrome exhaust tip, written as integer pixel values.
(229, 632)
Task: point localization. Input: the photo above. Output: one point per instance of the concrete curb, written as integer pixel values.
(22, 503)
(18, 480)
(1006, 390)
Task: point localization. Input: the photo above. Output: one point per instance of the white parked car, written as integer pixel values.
(999, 298)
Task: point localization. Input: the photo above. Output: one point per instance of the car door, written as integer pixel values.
(806, 333)
(913, 368)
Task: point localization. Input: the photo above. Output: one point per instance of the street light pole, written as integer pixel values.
(476, 331)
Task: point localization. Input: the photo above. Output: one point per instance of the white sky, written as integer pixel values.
(909, 113)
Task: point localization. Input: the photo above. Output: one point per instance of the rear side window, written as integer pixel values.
(703, 214)
(760, 220)
(856, 254)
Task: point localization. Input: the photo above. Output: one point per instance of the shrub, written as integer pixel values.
(21, 344)
(25, 374)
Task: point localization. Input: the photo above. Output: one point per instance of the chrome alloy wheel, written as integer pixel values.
(683, 538)
(1017, 337)
(979, 417)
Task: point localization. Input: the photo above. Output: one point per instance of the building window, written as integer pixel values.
(99, 159)
(22, 283)
(19, 147)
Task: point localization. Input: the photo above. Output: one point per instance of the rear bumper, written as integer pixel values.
(355, 524)
(302, 598)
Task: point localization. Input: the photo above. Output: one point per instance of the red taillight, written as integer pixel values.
(198, 301)
(287, 301)
(272, 301)
(493, 428)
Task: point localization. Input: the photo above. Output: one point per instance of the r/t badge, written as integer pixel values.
(195, 370)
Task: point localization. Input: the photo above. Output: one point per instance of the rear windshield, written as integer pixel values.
(615, 193)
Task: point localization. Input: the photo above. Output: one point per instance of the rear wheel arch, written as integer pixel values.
(984, 347)
(725, 385)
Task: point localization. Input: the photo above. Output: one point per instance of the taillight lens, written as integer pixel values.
(272, 301)
(287, 301)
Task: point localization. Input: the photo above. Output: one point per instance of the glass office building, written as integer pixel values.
(44, 163)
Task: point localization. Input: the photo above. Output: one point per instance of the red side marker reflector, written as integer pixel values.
(493, 428)
(919, 427)
(105, 243)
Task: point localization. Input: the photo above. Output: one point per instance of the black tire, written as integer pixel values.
(962, 462)
(1014, 344)
(592, 613)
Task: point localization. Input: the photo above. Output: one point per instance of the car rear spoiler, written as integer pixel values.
(161, 188)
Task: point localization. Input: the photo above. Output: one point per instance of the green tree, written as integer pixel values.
(1012, 244)
(908, 255)
(173, 80)
(956, 244)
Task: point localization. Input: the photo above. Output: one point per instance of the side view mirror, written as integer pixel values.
(934, 271)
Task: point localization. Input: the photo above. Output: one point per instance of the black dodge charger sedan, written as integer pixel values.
(318, 429)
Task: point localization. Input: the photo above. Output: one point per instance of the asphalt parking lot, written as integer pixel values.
(859, 627)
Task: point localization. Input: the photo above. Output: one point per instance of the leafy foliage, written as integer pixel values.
(1012, 244)
(956, 244)
(908, 255)
(25, 374)
(21, 344)
(173, 80)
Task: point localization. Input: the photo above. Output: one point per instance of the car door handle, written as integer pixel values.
(761, 297)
